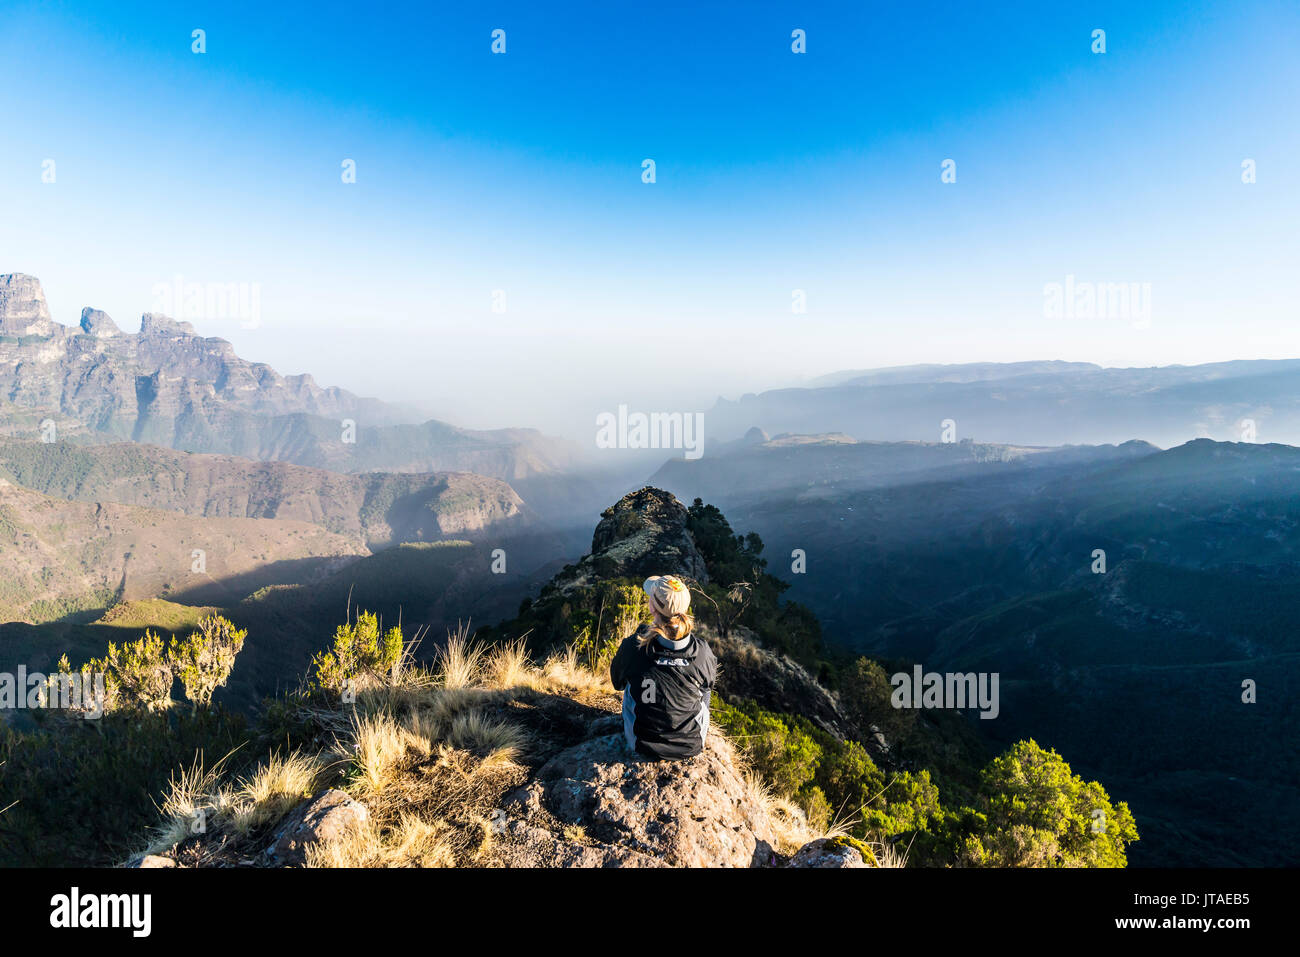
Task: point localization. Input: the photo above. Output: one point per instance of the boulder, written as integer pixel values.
(153, 861)
(326, 817)
(598, 805)
(827, 852)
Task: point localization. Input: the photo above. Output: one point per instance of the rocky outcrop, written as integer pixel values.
(644, 533)
(580, 799)
(23, 311)
(329, 816)
(169, 385)
(97, 323)
(152, 324)
(599, 805)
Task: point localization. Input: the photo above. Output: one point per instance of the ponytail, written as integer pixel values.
(671, 629)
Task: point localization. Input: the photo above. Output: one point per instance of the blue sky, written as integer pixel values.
(775, 171)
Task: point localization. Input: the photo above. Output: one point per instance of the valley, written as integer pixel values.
(989, 567)
(149, 479)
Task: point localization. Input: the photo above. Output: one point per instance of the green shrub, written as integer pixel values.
(204, 658)
(850, 778)
(910, 804)
(1037, 813)
(137, 673)
(141, 673)
(785, 757)
(621, 606)
(360, 649)
(837, 782)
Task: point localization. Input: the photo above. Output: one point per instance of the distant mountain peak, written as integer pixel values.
(170, 385)
(23, 310)
(97, 323)
(153, 324)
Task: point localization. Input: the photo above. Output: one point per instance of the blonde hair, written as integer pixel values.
(679, 625)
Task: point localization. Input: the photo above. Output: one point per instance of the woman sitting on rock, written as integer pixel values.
(666, 675)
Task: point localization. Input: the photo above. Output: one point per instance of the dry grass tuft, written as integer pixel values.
(789, 823)
(434, 814)
(567, 672)
(410, 842)
(888, 855)
(188, 800)
(429, 750)
(475, 731)
(197, 802)
(379, 746)
(508, 666)
(270, 792)
(444, 708)
(431, 775)
(460, 663)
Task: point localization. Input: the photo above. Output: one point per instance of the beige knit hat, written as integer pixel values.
(668, 595)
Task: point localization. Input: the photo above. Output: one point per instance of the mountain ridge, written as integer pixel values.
(1042, 403)
(376, 508)
(68, 557)
(168, 385)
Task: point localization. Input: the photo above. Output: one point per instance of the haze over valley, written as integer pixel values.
(950, 515)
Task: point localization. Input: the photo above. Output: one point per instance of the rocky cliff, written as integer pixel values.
(23, 311)
(376, 508)
(169, 385)
(62, 558)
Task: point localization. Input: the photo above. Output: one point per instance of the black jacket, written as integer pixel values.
(666, 694)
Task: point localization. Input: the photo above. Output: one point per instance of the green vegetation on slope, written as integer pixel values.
(933, 799)
(1028, 810)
